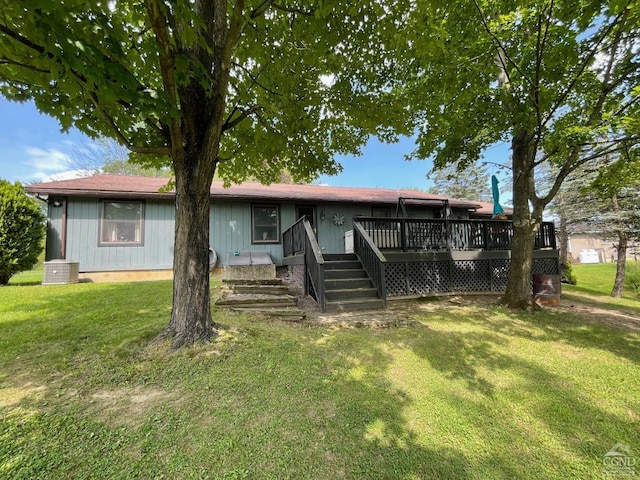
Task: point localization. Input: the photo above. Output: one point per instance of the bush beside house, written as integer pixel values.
(22, 228)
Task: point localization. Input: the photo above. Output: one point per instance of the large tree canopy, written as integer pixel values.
(249, 87)
(558, 79)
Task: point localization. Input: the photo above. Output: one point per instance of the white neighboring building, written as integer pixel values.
(584, 248)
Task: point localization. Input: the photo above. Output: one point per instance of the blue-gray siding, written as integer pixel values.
(230, 230)
(156, 252)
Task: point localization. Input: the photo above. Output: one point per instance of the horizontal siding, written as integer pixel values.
(331, 235)
(230, 231)
(156, 252)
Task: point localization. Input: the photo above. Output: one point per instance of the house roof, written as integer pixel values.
(123, 186)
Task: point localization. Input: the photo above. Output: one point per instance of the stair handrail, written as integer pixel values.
(300, 240)
(293, 239)
(372, 259)
(314, 264)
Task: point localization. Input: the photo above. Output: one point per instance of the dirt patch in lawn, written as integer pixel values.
(400, 312)
(127, 406)
(593, 314)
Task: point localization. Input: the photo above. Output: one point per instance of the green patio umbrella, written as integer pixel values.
(497, 209)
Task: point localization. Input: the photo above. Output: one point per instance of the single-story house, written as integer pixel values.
(124, 224)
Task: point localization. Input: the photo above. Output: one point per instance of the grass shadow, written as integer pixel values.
(503, 368)
(468, 394)
(276, 401)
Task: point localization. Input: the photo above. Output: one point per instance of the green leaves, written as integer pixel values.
(99, 68)
(22, 227)
(553, 57)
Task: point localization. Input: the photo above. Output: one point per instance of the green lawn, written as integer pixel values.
(30, 277)
(470, 391)
(595, 282)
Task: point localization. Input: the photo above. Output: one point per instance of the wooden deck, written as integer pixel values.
(407, 256)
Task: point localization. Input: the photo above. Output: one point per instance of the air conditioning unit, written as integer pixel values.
(60, 272)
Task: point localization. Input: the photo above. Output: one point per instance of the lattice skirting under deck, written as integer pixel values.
(430, 277)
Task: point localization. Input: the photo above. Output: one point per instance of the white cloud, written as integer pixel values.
(46, 162)
(50, 159)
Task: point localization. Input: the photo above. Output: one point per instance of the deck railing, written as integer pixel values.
(414, 234)
(299, 239)
(371, 258)
(293, 239)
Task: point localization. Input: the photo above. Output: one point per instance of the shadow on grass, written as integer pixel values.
(631, 306)
(583, 289)
(586, 333)
(613, 329)
(286, 402)
(275, 404)
(553, 405)
(57, 323)
(281, 401)
(22, 283)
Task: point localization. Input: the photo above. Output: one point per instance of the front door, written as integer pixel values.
(309, 212)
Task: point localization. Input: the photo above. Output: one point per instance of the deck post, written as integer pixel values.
(403, 234)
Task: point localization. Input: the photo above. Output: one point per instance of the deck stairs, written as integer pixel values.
(347, 286)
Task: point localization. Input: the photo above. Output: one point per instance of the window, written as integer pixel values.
(381, 212)
(265, 224)
(378, 212)
(121, 222)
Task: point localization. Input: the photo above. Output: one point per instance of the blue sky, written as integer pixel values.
(32, 148)
(31, 144)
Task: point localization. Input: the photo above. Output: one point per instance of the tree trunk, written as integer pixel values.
(621, 264)
(621, 248)
(518, 292)
(564, 239)
(191, 314)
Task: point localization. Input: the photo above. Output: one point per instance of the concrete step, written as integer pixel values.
(245, 300)
(259, 289)
(270, 281)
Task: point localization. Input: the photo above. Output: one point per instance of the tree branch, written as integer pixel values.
(134, 148)
(499, 165)
(229, 124)
(260, 9)
(23, 40)
(570, 166)
(167, 68)
(284, 8)
(254, 78)
(545, 157)
(541, 41)
(7, 61)
(502, 52)
(585, 64)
